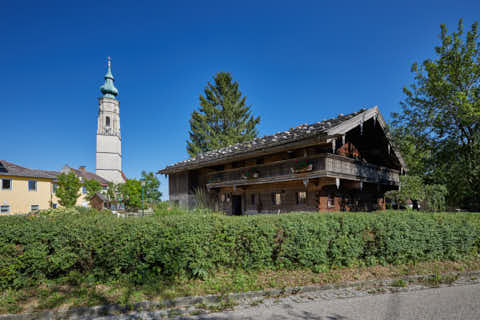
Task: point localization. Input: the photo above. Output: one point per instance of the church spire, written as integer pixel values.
(108, 88)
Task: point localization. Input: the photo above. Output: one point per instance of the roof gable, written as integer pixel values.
(358, 120)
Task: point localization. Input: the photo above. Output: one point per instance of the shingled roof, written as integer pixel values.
(301, 132)
(14, 170)
(86, 175)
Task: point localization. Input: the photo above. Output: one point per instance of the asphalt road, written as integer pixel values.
(448, 303)
(445, 303)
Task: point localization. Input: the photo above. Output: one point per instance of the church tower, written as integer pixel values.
(109, 140)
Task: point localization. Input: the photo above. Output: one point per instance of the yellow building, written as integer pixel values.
(24, 190)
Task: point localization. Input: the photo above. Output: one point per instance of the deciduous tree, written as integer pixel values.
(92, 186)
(440, 116)
(152, 194)
(131, 192)
(68, 189)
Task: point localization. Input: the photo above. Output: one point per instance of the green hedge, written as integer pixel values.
(103, 247)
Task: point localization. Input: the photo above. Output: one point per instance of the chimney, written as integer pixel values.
(82, 168)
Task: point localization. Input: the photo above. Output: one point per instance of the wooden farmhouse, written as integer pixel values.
(342, 164)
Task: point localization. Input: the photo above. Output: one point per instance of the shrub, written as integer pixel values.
(165, 208)
(435, 197)
(195, 244)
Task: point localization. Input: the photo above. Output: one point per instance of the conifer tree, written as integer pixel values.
(223, 118)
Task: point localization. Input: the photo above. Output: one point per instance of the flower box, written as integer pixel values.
(250, 174)
(302, 169)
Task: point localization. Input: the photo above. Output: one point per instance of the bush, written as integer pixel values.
(435, 197)
(165, 208)
(104, 247)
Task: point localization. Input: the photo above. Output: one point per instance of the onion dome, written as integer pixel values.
(108, 88)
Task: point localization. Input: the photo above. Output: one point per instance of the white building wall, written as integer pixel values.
(109, 144)
(107, 161)
(109, 141)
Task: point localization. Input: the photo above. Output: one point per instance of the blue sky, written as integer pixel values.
(296, 61)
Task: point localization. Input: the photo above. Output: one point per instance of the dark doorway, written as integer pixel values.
(237, 205)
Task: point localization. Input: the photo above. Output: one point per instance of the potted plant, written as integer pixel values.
(250, 174)
(301, 166)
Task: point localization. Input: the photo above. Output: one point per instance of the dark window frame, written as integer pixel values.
(238, 164)
(301, 199)
(276, 196)
(34, 184)
(10, 183)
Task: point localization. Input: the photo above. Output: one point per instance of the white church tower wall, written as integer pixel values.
(109, 139)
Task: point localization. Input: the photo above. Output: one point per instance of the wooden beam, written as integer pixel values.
(266, 150)
(301, 177)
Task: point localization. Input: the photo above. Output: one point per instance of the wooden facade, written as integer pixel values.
(343, 164)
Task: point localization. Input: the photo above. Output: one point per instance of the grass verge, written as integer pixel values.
(66, 293)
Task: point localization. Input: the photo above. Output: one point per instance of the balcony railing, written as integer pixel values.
(325, 165)
(369, 172)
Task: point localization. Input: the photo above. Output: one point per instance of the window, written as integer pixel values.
(34, 207)
(54, 205)
(301, 197)
(54, 188)
(260, 160)
(218, 168)
(4, 209)
(331, 201)
(252, 199)
(84, 190)
(291, 154)
(276, 198)
(32, 185)
(238, 164)
(107, 121)
(6, 184)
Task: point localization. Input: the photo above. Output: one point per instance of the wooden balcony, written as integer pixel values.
(324, 165)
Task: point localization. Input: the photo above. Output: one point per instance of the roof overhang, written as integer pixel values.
(311, 141)
(331, 133)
